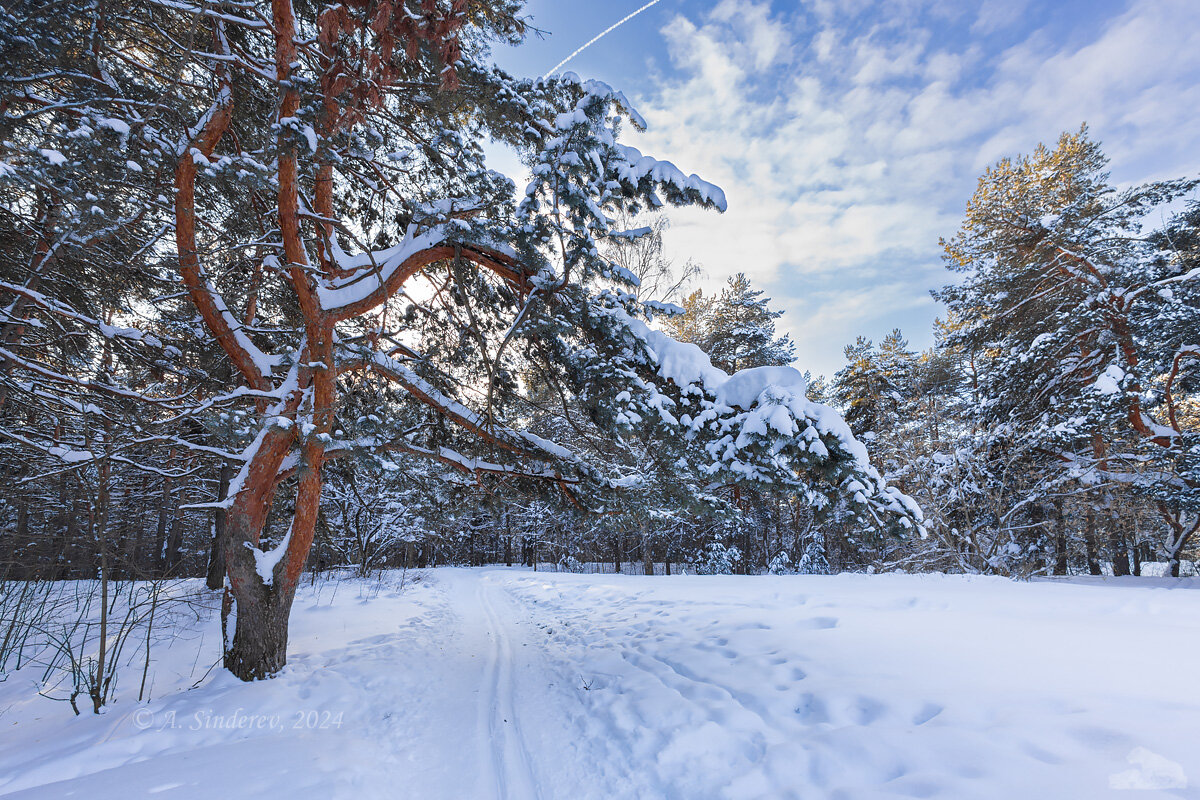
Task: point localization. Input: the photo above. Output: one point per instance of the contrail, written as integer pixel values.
(600, 36)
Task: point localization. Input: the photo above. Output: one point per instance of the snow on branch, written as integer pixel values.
(756, 414)
(60, 309)
(369, 278)
(638, 167)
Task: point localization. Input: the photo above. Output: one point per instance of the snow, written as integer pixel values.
(686, 364)
(597, 88)
(370, 271)
(638, 166)
(265, 560)
(499, 683)
(743, 388)
(769, 399)
(1150, 771)
(55, 158)
(1110, 381)
(71, 456)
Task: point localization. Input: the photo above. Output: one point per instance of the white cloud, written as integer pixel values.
(995, 15)
(846, 148)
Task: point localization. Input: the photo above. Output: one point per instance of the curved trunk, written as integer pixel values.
(263, 605)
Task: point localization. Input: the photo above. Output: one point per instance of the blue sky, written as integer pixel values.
(848, 134)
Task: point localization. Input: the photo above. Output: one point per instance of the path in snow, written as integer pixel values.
(510, 685)
(499, 732)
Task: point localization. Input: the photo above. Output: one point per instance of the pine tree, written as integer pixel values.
(1063, 296)
(694, 324)
(861, 388)
(818, 389)
(741, 329)
(814, 561)
(736, 328)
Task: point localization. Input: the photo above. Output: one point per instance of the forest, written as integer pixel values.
(266, 312)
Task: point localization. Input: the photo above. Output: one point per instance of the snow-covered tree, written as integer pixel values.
(814, 561)
(875, 383)
(736, 327)
(1079, 314)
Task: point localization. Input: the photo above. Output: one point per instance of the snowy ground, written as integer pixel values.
(509, 684)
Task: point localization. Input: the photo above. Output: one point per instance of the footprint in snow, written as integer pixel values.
(927, 712)
(811, 710)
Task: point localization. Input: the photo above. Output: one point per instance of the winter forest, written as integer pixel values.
(283, 357)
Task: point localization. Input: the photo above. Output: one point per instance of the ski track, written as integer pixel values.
(499, 728)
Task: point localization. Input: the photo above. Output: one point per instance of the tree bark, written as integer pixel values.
(175, 544)
(259, 647)
(647, 553)
(1037, 519)
(1118, 548)
(1060, 539)
(1089, 538)
(215, 577)
(160, 533)
(260, 636)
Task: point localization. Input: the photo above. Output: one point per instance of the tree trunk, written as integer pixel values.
(21, 538)
(1060, 539)
(215, 578)
(160, 533)
(1089, 538)
(174, 555)
(1118, 545)
(744, 566)
(1135, 545)
(1178, 542)
(260, 637)
(1118, 549)
(74, 556)
(1037, 520)
(647, 554)
(137, 559)
(259, 646)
